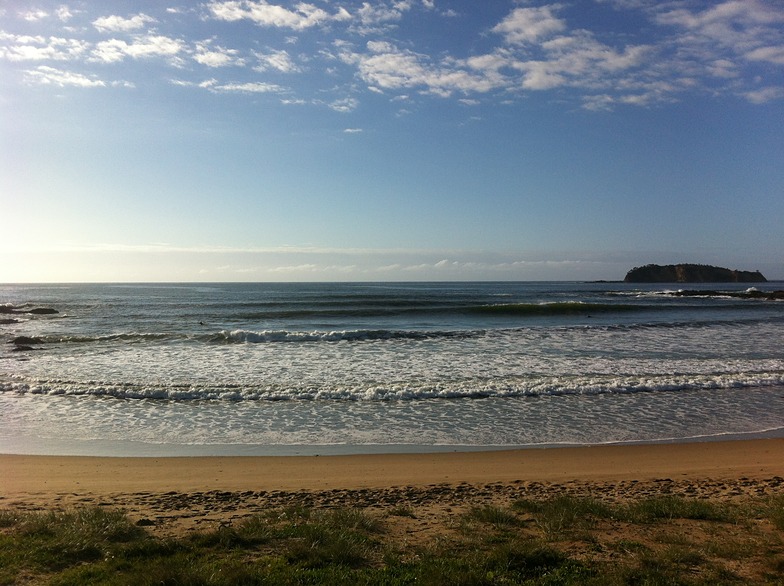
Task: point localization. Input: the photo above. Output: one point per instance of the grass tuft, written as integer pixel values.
(57, 539)
(498, 517)
(564, 513)
(671, 507)
(773, 509)
(340, 536)
(401, 511)
(8, 519)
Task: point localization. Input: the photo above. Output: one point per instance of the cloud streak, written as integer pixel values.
(307, 263)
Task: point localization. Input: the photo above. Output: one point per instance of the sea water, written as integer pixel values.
(157, 369)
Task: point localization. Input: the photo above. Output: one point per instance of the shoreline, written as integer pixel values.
(30, 446)
(727, 459)
(175, 496)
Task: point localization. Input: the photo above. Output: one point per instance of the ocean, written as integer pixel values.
(329, 368)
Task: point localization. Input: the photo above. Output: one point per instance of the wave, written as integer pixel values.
(409, 308)
(127, 337)
(554, 308)
(273, 336)
(441, 390)
(269, 336)
(751, 293)
(242, 336)
(26, 308)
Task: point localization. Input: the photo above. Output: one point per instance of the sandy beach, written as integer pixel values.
(174, 495)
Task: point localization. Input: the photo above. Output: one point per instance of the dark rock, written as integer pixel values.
(691, 273)
(20, 348)
(26, 341)
(34, 311)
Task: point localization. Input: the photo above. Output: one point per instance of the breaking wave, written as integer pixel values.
(467, 389)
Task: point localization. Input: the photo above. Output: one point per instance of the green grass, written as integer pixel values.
(560, 541)
(670, 507)
(562, 514)
(496, 516)
(773, 508)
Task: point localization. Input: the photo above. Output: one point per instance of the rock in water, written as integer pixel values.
(20, 348)
(26, 341)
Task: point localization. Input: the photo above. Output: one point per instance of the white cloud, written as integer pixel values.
(764, 95)
(773, 55)
(735, 26)
(352, 130)
(730, 47)
(724, 68)
(706, 49)
(253, 87)
(50, 76)
(344, 105)
(35, 15)
(111, 24)
(115, 50)
(541, 75)
(39, 48)
(387, 67)
(528, 25)
(64, 13)
(307, 267)
(216, 56)
(277, 60)
(726, 18)
(578, 60)
(542, 56)
(599, 103)
(375, 16)
(302, 17)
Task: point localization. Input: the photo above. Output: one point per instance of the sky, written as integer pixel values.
(342, 140)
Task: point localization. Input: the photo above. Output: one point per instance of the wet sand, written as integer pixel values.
(174, 495)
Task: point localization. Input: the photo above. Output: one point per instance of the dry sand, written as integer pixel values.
(173, 495)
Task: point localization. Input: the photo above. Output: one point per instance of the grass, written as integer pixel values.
(496, 516)
(559, 541)
(564, 513)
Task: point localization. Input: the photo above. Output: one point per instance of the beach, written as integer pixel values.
(415, 433)
(177, 495)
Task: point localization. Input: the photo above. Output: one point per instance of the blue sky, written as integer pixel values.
(400, 140)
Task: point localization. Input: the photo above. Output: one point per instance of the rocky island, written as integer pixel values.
(691, 273)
